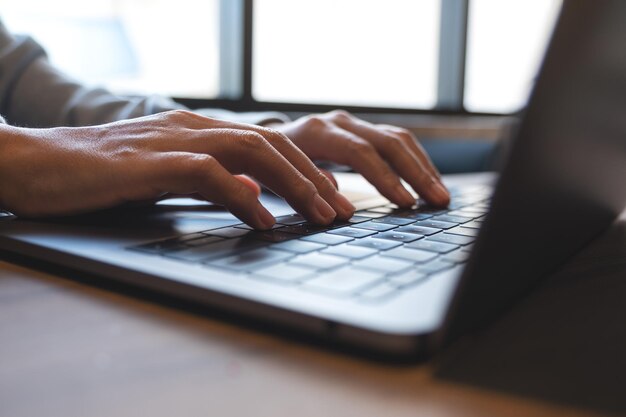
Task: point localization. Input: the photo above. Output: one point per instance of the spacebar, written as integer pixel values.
(220, 249)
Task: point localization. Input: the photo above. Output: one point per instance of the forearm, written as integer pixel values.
(8, 135)
(33, 93)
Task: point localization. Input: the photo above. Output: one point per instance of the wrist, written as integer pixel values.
(8, 136)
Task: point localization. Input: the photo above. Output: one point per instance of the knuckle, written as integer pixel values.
(275, 137)
(252, 141)
(315, 123)
(186, 116)
(200, 164)
(179, 114)
(360, 147)
(395, 144)
(241, 196)
(308, 186)
(324, 184)
(340, 115)
(406, 135)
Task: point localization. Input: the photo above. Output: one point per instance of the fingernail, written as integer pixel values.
(324, 210)
(402, 196)
(265, 217)
(440, 193)
(345, 205)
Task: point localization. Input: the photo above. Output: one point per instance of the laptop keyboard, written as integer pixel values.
(374, 256)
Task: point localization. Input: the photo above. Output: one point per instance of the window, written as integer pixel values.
(346, 52)
(131, 46)
(505, 45)
(402, 55)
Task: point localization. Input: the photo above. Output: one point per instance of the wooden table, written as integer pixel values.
(69, 349)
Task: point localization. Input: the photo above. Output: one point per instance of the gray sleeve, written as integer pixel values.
(35, 94)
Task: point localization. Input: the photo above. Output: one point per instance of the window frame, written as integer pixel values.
(236, 43)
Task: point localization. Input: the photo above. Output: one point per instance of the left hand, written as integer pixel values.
(382, 154)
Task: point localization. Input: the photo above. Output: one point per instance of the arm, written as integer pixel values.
(33, 93)
(65, 170)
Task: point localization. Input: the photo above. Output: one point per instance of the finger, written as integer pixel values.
(331, 177)
(245, 151)
(250, 183)
(187, 173)
(415, 146)
(403, 160)
(324, 185)
(345, 147)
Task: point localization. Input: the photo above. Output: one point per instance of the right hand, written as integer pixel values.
(61, 171)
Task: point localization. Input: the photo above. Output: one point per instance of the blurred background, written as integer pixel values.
(451, 70)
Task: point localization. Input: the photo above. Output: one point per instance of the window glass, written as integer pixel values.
(347, 52)
(131, 46)
(506, 42)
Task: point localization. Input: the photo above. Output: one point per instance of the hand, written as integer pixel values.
(69, 170)
(382, 154)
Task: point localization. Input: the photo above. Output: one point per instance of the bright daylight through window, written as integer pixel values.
(131, 46)
(372, 53)
(347, 52)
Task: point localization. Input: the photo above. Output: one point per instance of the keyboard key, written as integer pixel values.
(204, 240)
(273, 236)
(326, 239)
(298, 246)
(451, 219)
(453, 239)
(436, 224)
(251, 260)
(386, 265)
(305, 229)
(228, 232)
(222, 248)
(379, 244)
(379, 227)
(398, 221)
(317, 260)
(464, 231)
(477, 210)
(246, 227)
(351, 232)
(434, 266)
(419, 230)
(290, 220)
(344, 281)
(384, 210)
(358, 219)
(462, 213)
(430, 210)
(467, 248)
(338, 223)
(161, 247)
(431, 246)
(379, 292)
(406, 279)
(350, 251)
(370, 214)
(474, 224)
(413, 215)
(191, 236)
(283, 273)
(398, 237)
(408, 254)
(457, 256)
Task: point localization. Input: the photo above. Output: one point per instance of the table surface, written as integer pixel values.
(72, 349)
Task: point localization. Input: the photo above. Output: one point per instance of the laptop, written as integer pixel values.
(398, 282)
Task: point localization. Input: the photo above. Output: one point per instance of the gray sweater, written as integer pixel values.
(35, 94)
